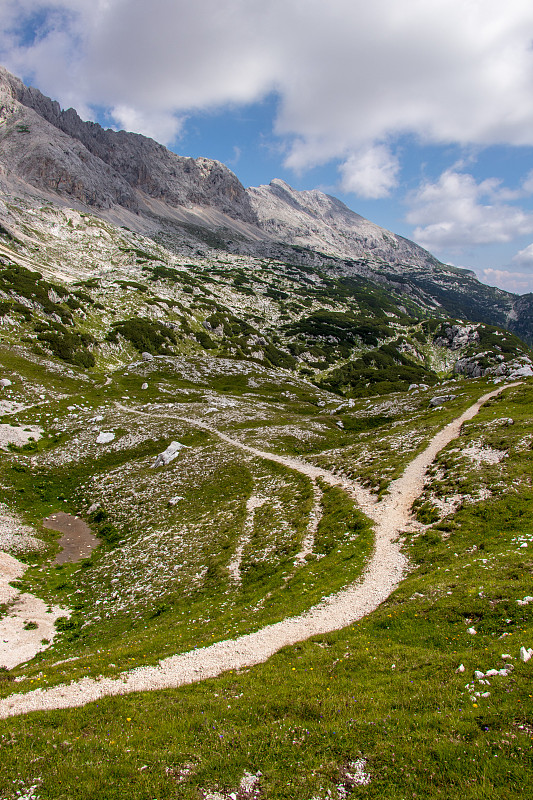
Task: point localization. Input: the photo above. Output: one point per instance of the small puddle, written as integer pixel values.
(77, 541)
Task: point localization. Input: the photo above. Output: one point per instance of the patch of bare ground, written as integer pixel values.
(29, 624)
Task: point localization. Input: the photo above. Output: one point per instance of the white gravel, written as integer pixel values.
(17, 643)
(18, 435)
(15, 537)
(383, 573)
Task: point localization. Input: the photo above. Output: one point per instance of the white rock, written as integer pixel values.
(527, 599)
(147, 357)
(523, 372)
(485, 694)
(504, 672)
(105, 437)
(472, 631)
(525, 655)
(506, 656)
(168, 455)
(144, 386)
(460, 668)
(5, 382)
(478, 675)
(491, 673)
(175, 500)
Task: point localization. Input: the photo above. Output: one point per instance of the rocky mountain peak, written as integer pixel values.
(126, 168)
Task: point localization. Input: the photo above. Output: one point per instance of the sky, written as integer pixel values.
(417, 114)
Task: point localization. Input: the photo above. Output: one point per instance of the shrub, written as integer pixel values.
(144, 334)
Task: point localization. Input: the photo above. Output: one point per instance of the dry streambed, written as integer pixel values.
(382, 575)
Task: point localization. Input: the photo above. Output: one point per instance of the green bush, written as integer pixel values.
(144, 334)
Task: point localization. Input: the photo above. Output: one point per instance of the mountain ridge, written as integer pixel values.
(133, 181)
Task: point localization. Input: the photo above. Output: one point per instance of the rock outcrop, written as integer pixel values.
(457, 336)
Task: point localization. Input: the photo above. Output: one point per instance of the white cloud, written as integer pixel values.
(456, 211)
(349, 74)
(525, 256)
(370, 173)
(164, 127)
(519, 282)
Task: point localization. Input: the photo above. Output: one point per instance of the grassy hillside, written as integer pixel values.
(298, 364)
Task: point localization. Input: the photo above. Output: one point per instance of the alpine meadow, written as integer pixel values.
(266, 488)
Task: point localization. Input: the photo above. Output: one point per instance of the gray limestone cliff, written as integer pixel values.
(197, 202)
(55, 150)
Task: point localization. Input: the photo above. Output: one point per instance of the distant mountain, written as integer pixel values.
(321, 222)
(190, 204)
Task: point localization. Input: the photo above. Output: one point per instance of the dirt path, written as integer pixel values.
(308, 542)
(381, 577)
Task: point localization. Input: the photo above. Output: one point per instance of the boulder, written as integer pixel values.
(440, 400)
(523, 372)
(169, 454)
(525, 655)
(5, 382)
(147, 357)
(105, 437)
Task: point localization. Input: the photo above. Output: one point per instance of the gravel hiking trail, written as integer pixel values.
(382, 575)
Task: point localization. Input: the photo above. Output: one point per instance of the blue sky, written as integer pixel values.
(418, 115)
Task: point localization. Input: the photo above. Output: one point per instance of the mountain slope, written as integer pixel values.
(318, 221)
(236, 418)
(100, 167)
(193, 205)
